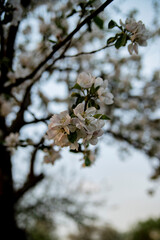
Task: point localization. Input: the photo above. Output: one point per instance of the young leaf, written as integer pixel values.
(72, 137)
(101, 116)
(75, 94)
(79, 100)
(77, 86)
(124, 39)
(99, 22)
(92, 103)
(92, 90)
(87, 161)
(112, 24)
(52, 41)
(121, 41)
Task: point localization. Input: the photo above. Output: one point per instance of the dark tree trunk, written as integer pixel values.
(8, 225)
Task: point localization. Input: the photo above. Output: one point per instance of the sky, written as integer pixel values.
(121, 181)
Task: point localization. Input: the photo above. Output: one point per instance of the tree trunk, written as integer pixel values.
(8, 225)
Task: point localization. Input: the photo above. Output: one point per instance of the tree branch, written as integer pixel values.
(59, 45)
(28, 185)
(32, 179)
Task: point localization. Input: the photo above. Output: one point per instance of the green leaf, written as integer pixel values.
(92, 90)
(79, 100)
(99, 22)
(112, 24)
(96, 89)
(124, 39)
(72, 115)
(77, 86)
(96, 106)
(92, 103)
(121, 41)
(75, 94)
(111, 40)
(72, 137)
(101, 116)
(87, 161)
(52, 41)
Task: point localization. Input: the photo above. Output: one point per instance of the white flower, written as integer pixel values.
(51, 155)
(11, 141)
(59, 135)
(105, 96)
(58, 128)
(85, 80)
(130, 24)
(86, 119)
(99, 82)
(103, 92)
(62, 120)
(94, 138)
(5, 107)
(139, 34)
(89, 126)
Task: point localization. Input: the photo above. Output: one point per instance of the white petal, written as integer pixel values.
(105, 83)
(93, 141)
(135, 47)
(98, 82)
(85, 80)
(90, 111)
(79, 109)
(130, 48)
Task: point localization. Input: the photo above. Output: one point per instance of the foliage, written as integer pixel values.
(95, 232)
(146, 230)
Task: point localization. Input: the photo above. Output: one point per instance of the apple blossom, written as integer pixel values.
(83, 124)
(105, 96)
(138, 34)
(85, 80)
(5, 107)
(11, 141)
(51, 155)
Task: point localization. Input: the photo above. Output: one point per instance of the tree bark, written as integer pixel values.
(9, 228)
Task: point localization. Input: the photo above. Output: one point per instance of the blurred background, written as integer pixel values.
(118, 197)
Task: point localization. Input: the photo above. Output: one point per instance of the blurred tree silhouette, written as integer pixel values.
(96, 233)
(146, 230)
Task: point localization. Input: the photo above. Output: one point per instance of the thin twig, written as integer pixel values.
(85, 53)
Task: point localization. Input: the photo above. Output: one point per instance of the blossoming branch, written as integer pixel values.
(83, 124)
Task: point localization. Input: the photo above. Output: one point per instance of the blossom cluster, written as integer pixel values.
(131, 30)
(83, 124)
(138, 34)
